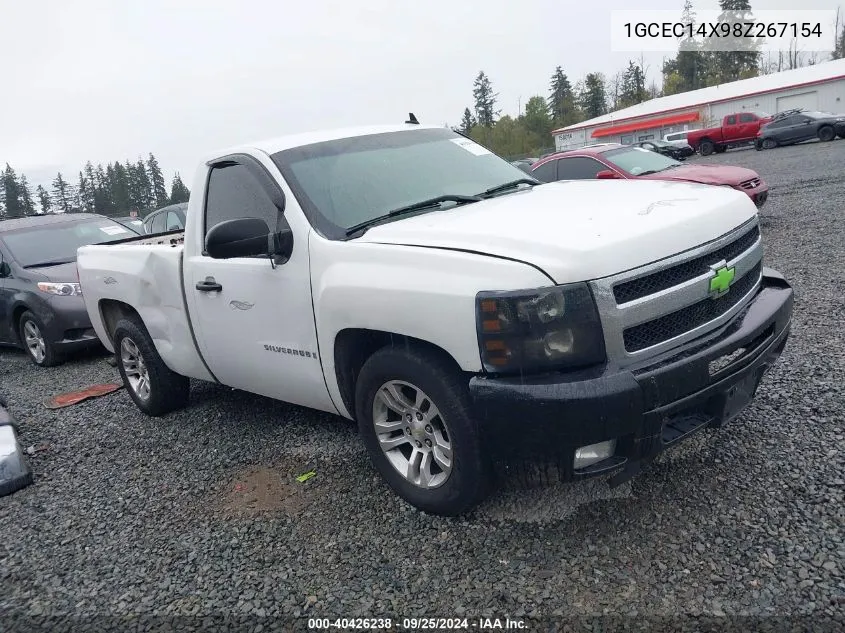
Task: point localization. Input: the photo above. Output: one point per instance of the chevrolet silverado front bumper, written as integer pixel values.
(645, 409)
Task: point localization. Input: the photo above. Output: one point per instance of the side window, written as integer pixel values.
(174, 222)
(578, 168)
(731, 120)
(747, 117)
(627, 139)
(547, 172)
(158, 224)
(233, 192)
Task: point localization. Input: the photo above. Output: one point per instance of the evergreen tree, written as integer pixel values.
(26, 196)
(593, 95)
(11, 194)
(120, 190)
(178, 191)
(537, 120)
(159, 189)
(467, 122)
(633, 86)
(63, 195)
(562, 103)
(485, 101)
(145, 185)
(725, 66)
(86, 193)
(102, 192)
(44, 199)
(689, 69)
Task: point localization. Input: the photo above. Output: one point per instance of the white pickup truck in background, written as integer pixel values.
(407, 278)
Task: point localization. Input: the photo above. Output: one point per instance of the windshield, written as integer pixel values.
(345, 182)
(637, 161)
(57, 243)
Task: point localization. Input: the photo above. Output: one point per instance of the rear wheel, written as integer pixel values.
(414, 418)
(38, 347)
(706, 148)
(151, 384)
(827, 133)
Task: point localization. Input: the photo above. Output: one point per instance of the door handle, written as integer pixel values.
(209, 285)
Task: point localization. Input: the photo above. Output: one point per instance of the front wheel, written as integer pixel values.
(769, 143)
(827, 133)
(414, 418)
(151, 384)
(38, 347)
(706, 148)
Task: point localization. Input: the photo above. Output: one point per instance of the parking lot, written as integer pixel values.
(199, 513)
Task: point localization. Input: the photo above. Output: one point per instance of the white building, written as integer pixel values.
(818, 87)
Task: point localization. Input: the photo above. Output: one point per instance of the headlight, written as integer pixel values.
(63, 290)
(535, 330)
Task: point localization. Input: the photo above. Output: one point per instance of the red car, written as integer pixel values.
(611, 160)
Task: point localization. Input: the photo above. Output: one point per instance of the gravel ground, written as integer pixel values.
(198, 514)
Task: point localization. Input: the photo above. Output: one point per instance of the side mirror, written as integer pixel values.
(248, 237)
(607, 174)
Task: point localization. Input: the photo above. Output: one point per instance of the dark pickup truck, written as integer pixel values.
(736, 129)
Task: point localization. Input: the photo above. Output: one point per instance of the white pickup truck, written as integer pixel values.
(465, 316)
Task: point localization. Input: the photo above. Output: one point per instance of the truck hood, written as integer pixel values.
(705, 174)
(579, 230)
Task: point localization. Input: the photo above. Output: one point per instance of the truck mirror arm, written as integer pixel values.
(280, 246)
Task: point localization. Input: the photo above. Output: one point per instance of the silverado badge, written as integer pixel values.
(722, 279)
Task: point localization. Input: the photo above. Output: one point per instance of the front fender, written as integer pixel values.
(423, 293)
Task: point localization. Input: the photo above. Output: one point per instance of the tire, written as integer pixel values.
(139, 363)
(769, 143)
(706, 148)
(40, 350)
(410, 372)
(826, 133)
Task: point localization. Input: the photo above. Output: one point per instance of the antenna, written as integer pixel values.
(412, 120)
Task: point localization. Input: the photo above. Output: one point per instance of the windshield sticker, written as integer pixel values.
(113, 230)
(471, 146)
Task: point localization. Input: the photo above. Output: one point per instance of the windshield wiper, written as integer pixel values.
(417, 206)
(513, 184)
(57, 262)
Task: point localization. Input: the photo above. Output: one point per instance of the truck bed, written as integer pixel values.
(143, 274)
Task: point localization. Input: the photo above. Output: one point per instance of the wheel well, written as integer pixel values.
(354, 346)
(16, 320)
(706, 139)
(113, 311)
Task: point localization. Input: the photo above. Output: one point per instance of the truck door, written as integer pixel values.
(731, 129)
(254, 324)
(747, 125)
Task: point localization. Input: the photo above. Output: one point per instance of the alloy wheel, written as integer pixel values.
(413, 434)
(135, 368)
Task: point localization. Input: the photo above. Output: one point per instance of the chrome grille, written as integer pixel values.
(676, 323)
(655, 282)
(750, 184)
(656, 307)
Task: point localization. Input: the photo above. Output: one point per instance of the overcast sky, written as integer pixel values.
(106, 80)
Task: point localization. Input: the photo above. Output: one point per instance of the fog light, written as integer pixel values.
(593, 454)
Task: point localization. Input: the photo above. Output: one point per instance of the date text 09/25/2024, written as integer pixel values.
(417, 624)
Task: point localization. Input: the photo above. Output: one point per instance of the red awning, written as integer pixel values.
(673, 119)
